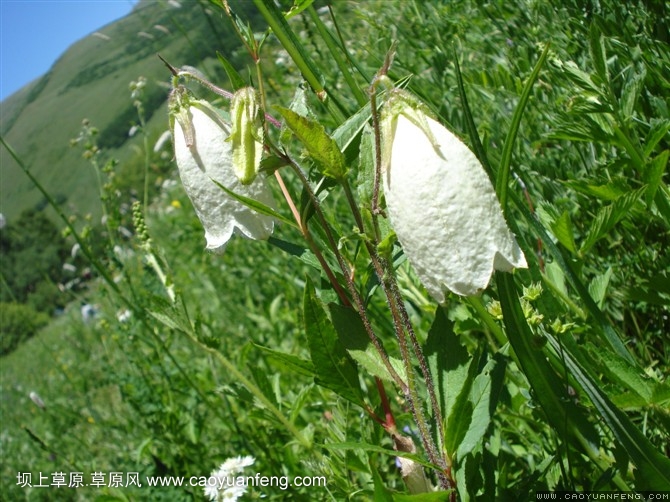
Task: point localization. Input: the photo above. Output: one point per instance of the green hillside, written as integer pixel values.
(366, 350)
(90, 81)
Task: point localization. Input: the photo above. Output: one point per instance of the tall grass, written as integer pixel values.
(555, 378)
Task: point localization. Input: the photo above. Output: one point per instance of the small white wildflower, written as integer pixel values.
(101, 36)
(162, 28)
(35, 398)
(442, 205)
(224, 484)
(124, 315)
(68, 267)
(88, 312)
(204, 155)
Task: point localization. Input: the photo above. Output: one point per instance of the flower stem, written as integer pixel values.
(358, 300)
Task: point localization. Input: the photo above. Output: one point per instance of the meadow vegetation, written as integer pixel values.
(554, 378)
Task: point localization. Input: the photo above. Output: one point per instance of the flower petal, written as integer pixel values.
(444, 210)
(207, 158)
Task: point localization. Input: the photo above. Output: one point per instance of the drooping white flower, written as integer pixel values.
(224, 484)
(442, 205)
(203, 154)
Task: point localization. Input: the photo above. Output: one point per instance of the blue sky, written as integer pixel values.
(34, 33)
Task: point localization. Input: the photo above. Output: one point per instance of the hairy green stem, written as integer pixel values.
(358, 300)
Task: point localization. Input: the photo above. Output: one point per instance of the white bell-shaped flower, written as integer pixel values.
(203, 156)
(442, 205)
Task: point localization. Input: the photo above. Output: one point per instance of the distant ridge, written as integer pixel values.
(90, 81)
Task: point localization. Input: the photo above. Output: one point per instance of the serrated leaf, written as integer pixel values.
(334, 368)
(630, 93)
(659, 129)
(355, 340)
(288, 362)
(622, 372)
(562, 229)
(319, 145)
(371, 362)
(598, 287)
(263, 384)
(597, 50)
(484, 398)
(657, 168)
(448, 362)
(608, 217)
(610, 191)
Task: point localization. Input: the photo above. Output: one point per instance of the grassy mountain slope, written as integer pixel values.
(90, 81)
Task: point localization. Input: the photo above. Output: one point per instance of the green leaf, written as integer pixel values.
(448, 362)
(657, 132)
(263, 383)
(657, 168)
(257, 206)
(502, 176)
(300, 252)
(460, 414)
(366, 169)
(381, 494)
(630, 93)
(562, 229)
(484, 396)
(355, 340)
(608, 217)
(298, 7)
(321, 147)
(334, 368)
(347, 132)
(291, 43)
(236, 80)
(598, 287)
(653, 468)
(288, 362)
(372, 363)
(549, 390)
(622, 372)
(604, 327)
(597, 50)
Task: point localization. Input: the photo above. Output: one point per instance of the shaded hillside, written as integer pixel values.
(90, 81)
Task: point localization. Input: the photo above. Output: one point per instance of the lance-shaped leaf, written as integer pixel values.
(319, 145)
(334, 368)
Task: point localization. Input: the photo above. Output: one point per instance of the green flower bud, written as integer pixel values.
(246, 135)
